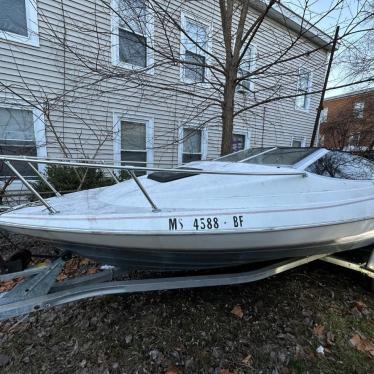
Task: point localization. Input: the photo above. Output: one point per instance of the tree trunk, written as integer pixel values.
(228, 114)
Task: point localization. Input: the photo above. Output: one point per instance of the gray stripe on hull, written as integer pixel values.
(138, 259)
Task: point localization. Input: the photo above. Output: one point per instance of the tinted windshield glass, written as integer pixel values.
(343, 165)
(281, 156)
(239, 156)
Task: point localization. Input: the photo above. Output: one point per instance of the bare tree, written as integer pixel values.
(217, 82)
(360, 51)
(215, 78)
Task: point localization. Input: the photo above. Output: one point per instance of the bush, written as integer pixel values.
(68, 179)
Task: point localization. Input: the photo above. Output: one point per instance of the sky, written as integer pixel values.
(344, 13)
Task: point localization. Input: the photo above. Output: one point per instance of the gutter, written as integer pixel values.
(291, 20)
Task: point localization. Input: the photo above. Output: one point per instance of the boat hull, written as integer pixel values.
(185, 251)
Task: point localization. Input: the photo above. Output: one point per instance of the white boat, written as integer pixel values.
(250, 206)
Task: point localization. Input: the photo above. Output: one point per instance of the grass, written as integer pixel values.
(195, 330)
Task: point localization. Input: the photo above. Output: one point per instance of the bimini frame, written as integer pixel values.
(110, 168)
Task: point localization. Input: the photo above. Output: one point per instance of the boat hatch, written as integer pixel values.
(166, 176)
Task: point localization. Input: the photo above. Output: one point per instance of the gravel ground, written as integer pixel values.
(270, 326)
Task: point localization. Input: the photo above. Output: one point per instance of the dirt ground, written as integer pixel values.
(277, 325)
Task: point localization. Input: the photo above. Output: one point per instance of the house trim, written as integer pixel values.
(32, 27)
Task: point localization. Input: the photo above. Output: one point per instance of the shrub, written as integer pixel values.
(68, 179)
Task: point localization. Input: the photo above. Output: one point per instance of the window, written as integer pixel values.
(343, 165)
(354, 140)
(238, 142)
(19, 21)
(281, 156)
(194, 45)
(132, 140)
(304, 86)
(133, 144)
(192, 144)
(298, 142)
(269, 156)
(21, 133)
(132, 34)
(247, 65)
(194, 73)
(324, 115)
(358, 109)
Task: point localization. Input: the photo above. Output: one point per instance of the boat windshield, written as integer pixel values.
(269, 156)
(343, 165)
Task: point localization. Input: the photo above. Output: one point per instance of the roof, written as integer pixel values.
(353, 93)
(288, 18)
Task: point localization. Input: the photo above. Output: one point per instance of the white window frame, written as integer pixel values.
(247, 139)
(301, 139)
(32, 27)
(182, 51)
(324, 114)
(252, 50)
(117, 131)
(310, 85)
(39, 134)
(358, 113)
(115, 26)
(204, 141)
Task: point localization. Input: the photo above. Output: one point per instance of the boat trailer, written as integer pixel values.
(40, 289)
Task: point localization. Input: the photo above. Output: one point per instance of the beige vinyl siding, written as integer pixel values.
(85, 117)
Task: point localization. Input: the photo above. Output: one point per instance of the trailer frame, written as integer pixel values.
(40, 290)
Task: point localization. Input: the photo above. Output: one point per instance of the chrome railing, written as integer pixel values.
(111, 168)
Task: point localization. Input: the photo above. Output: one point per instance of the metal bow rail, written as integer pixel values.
(102, 164)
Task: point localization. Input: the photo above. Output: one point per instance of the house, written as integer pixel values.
(348, 121)
(68, 86)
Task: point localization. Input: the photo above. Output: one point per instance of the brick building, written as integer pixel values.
(347, 121)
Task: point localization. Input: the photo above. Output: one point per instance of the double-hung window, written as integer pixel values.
(132, 34)
(195, 46)
(19, 21)
(21, 136)
(134, 143)
(247, 66)
(193, 144)
(358, 109)
(304, 87)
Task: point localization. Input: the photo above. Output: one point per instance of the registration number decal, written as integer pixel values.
(205, 223)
